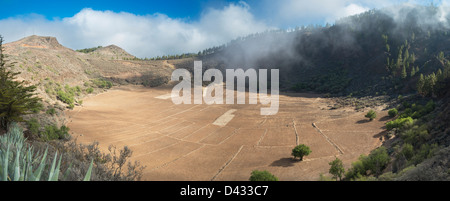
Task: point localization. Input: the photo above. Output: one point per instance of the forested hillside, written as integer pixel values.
(377, 52)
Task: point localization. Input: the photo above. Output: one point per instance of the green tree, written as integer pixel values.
(300, 151)
(337, 169)
(262, 176)
(413, 72)
(404, 75)
(371, 115)
(420, 84)
(429, 84)
(16, 99)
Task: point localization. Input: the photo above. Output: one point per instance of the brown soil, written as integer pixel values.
(180, 142)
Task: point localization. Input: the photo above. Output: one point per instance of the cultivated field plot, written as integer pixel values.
(224, 142)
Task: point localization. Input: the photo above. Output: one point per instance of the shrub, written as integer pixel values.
(89, 90)
(110, 165)
(407, 151)
(393, 112)
(300, 151)
(262, 176)
(377, 160)
(415, 134)
(33, 126)
(399, 123)
(371, 115)
(51, 132)
(65, 97)
(39, 107)
(51, 111)
(426, 151)
(101, 83)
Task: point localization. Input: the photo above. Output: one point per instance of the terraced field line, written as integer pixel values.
(164, 97)
(227, 163)
(165, 164)
(328, 139)
(262, 137)
(296, 134)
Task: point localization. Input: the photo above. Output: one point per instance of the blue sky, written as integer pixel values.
(160, 27)
(186, 9)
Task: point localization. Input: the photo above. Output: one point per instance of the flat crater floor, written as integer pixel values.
(224, 142)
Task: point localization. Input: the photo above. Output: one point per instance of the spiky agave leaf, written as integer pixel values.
(5, 160)
(16, 166)
(52, 168)
(55, 175)
(89, 172)
(38, 172)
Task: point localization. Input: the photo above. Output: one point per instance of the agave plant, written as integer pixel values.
(19, 162)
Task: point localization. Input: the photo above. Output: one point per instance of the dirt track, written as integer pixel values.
(183, 142)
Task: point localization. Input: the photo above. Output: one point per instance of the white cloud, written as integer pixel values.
(303, 12)
(143, 36)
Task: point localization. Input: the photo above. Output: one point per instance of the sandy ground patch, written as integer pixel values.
(224, 142)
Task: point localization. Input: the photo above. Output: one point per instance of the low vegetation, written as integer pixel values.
(21, 162)
(89, 50)
(102, 84)
(262, 176)
(371, 165)
(393, 112)
(371, 115)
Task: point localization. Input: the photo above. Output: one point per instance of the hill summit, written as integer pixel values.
(113, 51)
(41, 42)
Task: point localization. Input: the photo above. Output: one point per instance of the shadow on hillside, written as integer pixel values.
(363, 121)
(385, 118)
(284, 162)
(381, 134)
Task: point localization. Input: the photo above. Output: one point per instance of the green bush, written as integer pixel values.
(393, 112)
(51, 111)
(89, 90)
(373, 164)
(417, 111)
(33, 126)
(101, 83)
(414, 135)
(51, 132)
(65, 97)
(407, 151)
(371, 115)
(399, 123)
(262, 176)
(377, 160)
(300, 151)
(426, 151)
